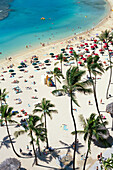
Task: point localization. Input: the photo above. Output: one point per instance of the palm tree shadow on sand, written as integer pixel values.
(79, 145)
(6, 142)
(49, 155)
(104, 145)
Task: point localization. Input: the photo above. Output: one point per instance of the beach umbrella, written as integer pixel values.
(13, 74)
(51, 54)
(71, 48)
(84, 59)
(79, 62)
(70, 52)
(101, 50)
(66, 54)
(11, 70)
(81, 45)
(95, 54)
(95, 41)
(36, 67)
(20, 67)
(46, 61)
(34, 63)
(10, 163)
(86, 49)
(95, 45)
(35, 59)
(92, 47)
(109, 109)
(57, 56)
(63, 49)
(105, 46)
(22, 63)
(86, 43)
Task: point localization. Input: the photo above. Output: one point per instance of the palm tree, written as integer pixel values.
(107, 37)
(61, 59)
(75, 57)
(6, 115)
(30, 128)
(40, 135)
(94, 68)
(57, 74)
(45, 107)
(73, 84)
(92, 127)
(107, 164)
(2, 97)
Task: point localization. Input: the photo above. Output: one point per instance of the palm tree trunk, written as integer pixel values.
(77, 62)
(95, 81)
(95, 97)
(1, 116)
(46, 131)
(61, 65)
(55, 82)
(39, 149)
(75, 134)
(109, 77)
(11, 140)
(34, 149)
(84, 167)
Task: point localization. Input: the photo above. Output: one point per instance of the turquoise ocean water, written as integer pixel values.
(63, 18)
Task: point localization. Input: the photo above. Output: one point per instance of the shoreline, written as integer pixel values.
(58, 44)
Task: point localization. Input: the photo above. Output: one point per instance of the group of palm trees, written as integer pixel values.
(36, 127)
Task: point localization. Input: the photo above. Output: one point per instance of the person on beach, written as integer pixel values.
(101, 101)
(89, 102)
(20, 150)
(27, 147)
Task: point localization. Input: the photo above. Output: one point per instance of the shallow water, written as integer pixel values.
(24, 26)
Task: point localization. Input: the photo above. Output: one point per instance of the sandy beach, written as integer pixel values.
(59, 137)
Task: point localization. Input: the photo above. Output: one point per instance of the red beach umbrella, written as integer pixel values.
(110, 50)
(79, 62)
(105, 46)
(88, 55)
(95, 41)
(81, 45)
(81, 55)
(95, 54)
(86, 49)
(71, 48)
(92, 46)
(70, 52)
(101, 50)
(95, 45)
(86, 43)
(56, 56)
(84, 59)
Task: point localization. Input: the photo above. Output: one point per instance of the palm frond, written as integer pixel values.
(18, 133)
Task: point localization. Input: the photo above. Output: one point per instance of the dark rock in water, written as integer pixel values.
(4, 8)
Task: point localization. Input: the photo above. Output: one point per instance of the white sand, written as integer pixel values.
(62, 104)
